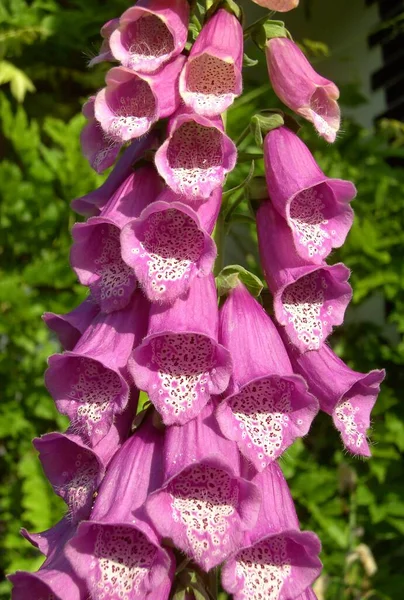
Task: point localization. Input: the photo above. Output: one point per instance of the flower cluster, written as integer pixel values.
(194, 471)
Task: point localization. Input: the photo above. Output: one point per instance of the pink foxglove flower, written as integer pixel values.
(211, 78)
(278, 5)
(346, 395)
(105, 53)
(205, 505)
(72, 325)
(116, 552)
(277, 560)
(309, 300)
(99, 150)
(196, 156)
(96, 252)
(315, 206)
(130, 103)
(303, 90)
(180, 363)
(266, 406)
(151, 33)
(167, 248)
(89, 384)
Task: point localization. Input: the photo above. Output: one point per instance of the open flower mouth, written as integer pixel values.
(133, 109)
(211, 84)
(325, 114)
(147, 39)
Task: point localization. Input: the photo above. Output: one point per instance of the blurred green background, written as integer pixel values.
(356, 507)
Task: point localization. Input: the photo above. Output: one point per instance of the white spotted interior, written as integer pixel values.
(346, 414)
(134, 106)
(308, 222)
(146, 39)
(211, 80)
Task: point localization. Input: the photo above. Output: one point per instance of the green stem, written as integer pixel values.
(219, 236)
(249, 29)
(212, 578)
(242, 135)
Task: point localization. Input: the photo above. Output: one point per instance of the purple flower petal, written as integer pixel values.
(72, 325)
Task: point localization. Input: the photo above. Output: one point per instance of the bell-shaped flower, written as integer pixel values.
(277, 562)
(70, 327)
(211, 77)
(91, 204)
(96, 252)
(105, 53)
(267, 406)
(346, 395)
(303, 90)
(167, 248)
(204, 505)
(316, 207)
(116, 552)
(100, 150)
(151, 33)
(180, 363)
(89, 384)
(196, 156)
(131, 102)
(278, 5)
(309, 300)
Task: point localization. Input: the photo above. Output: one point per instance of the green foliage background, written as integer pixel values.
(354, 506)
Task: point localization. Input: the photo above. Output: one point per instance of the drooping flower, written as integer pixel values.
(346, 395)
(204, 505)
(151, 33)
(303, 90)
(267, 406)
(131, 102)
(315, 206)
(96, 252)
(100, 151)
(167, 248)
(92, 203)
(277, 562)
(89, 384)
(105, 53)
(309, 300)
(116, 552)
(278, 5)
(211, 77)
(72, 325)
(196, 156)
(180, 363)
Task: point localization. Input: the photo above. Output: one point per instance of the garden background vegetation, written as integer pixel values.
(356, 507)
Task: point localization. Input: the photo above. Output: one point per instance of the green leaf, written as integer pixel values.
(229, 277)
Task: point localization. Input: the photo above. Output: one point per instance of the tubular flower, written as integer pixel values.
(309, 300)
(105, 53)
(150, 34)
(180, 363)
(204, 505)
(211, 77)
(303, 90)
(130, 103)
(267, 406)
(315, 207)
(278, 5)
(344, 394)
(277, 562)
(89, 384)
(196, 156)
(99, 150)
(96, 252)
(70, 327)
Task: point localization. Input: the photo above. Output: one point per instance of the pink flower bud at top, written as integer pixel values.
(267, 405)
(315, 206)
(151, 33)
(204, 505)
(309, 300)
(196, 156)
(211, 77)
(278, 5)
(130, 103)
(303, 90)
(105, 53)
(72, 325)
(346, 395)
(180, 363)
(99, 150)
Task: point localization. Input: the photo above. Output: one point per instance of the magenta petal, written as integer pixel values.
(211, 78)
(100, 151)
(207, 209)
(315, 206)
(167, 248)
(308, 300)
(180, 364)
(196, 157)
(71, 326)
(74, 471)
(105, 50)
(51, 541)
(150, 34)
